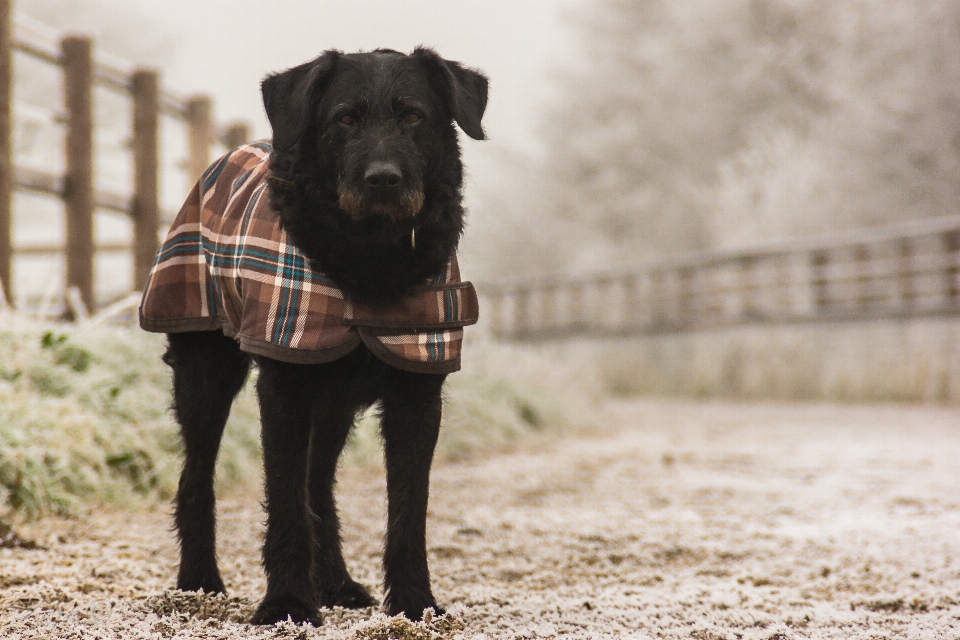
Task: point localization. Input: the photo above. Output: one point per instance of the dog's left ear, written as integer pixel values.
(292, 97)
(463, 89)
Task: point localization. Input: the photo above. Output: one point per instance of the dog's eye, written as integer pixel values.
(347, 120)
(411, 118)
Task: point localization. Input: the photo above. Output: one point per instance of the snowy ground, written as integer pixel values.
(688, 520)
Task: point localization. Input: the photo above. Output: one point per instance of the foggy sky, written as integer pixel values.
(224, 47)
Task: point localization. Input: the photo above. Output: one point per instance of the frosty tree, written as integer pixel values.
(685, 125)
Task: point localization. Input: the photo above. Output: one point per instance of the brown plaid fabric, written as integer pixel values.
(227, 264)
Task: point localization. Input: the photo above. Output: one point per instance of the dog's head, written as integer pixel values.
(376, 126)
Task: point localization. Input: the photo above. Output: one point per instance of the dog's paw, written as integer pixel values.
(207, 584)
(414, 612)
(273, 611)
(349, 595)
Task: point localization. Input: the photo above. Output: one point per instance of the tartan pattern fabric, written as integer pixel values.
(436, 346)
(227, 264)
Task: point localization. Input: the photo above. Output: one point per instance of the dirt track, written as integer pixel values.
(702, 521)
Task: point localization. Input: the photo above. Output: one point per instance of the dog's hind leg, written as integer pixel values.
(410, 423)
(331, 425)
(285, 411)
(208, 371)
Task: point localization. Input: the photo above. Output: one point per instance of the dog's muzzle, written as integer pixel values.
(384, 192)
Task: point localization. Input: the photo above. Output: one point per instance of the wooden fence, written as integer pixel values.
(82, 70)
(903, 271)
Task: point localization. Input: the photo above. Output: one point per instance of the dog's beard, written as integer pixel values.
(407, 205)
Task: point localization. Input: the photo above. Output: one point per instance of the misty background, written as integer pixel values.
(686, 125)
(620, 131)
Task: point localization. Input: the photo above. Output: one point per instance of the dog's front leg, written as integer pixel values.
(208, 371)
(410, 423)
(288, 544)
(332, 421)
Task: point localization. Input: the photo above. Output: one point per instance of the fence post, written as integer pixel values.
(864, 289)
(820, 292)
(603, 308)
(951, 245)
(631, 300)
(494, 300)
(657, 298)
(577, 308)
(521, 311)
(747, 286)
(237, 134)
(785, 281)
(548, 314)
(77, 54)
(199, 134)
(145, 87)
(905, 269)
(6, 148)
(685, 300)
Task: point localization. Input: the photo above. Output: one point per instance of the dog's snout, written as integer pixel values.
(381, 187)
(382, 176)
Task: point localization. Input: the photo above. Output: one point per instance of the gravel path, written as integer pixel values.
(687, 520)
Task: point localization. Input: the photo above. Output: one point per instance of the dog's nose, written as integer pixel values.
(382, 176)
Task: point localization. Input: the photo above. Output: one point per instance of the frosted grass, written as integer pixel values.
(84, 416)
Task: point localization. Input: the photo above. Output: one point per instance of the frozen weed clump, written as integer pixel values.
(85, 419)
(196, 604)
(399, 628)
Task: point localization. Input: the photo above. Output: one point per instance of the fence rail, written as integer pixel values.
(902, 271)
(82, 70)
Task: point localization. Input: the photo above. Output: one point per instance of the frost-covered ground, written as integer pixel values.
(690, 520)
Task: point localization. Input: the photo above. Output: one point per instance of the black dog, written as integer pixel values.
(365, 177)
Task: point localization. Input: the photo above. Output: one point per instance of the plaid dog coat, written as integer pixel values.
(227, 264)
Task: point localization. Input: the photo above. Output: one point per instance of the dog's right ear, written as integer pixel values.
(464, 89)
(291, 97)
